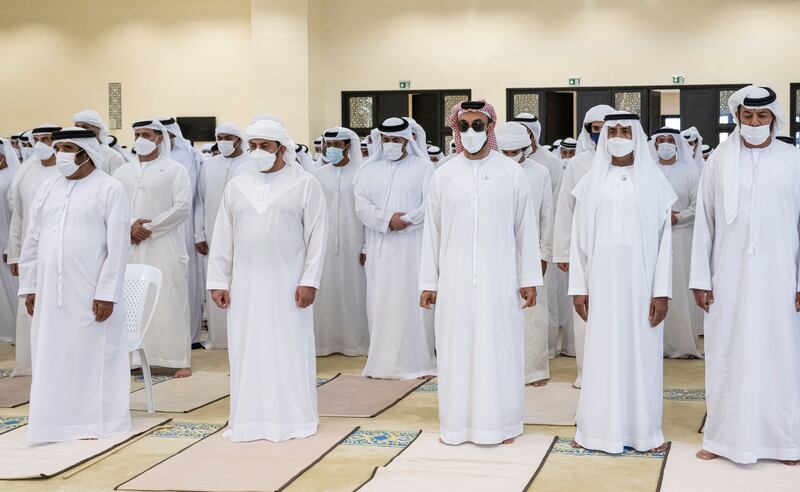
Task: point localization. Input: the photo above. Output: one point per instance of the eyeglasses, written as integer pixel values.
(477, 125)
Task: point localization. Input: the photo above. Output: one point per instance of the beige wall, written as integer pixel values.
(235, 58)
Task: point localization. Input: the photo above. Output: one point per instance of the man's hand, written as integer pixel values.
(529, 295)
(581, 304)
(427, 299)
(674, 218)
(658, 310)
(14, 269)
(221, 298)
(703, 298)
(202, 248)
(138, 232)
(304, 296)
(544, 267)
(396, 223)
(102, 310)
(564, 267)
(362, 258)
(30, 300)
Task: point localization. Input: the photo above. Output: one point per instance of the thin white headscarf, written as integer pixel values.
(684, 152)
(512, 136)
(411, 147)
(532, 123)
(89, 144)
(93, 118)
(595, 113)
(165, 148)
(10, 154)
(342, 133)
(690, 135)
(274, 131)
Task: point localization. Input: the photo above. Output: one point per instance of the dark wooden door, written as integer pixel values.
(655, 112)
(427, 111)
(559, 111)
(592, 97)
(391, 104)
(699, 109)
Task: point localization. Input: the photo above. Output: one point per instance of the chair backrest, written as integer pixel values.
(142, 283)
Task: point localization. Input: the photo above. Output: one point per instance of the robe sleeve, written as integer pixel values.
(431, 240)
(704, 226)
(28, 257)
(529, 264)
(546, 217)
(118, 240)
(220, 254)
(200, 208)
(417, 215)
(577, 257)
(686, 215)
(180, 210)
(369, 213)
(562, 227)
(315, 225)
(662, 278)
(14, 244)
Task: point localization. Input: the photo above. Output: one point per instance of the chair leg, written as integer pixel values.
(148, 380)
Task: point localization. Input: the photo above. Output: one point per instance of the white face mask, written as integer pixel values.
(755, 135)
(143, 146)
(473, 141)
(619, 147)
(226, 147)
(65, 163)
(26, 152)
(667, 150)
(263, 160)
(392, 150)
(42, 151)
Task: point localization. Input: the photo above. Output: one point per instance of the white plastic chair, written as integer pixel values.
(140, 282)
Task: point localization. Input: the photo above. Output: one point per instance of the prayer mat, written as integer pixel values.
(15, 391)
(551, 404)
(20, 460)
(215, 464)
(682, 471)
(356, 396)
(427, 464)
(183, 395)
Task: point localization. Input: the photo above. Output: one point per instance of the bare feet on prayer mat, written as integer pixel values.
(706, 455)
(539, 383)
(508, 441)
(659, 449)
(183, 373)
(575, 445)
(790, 462)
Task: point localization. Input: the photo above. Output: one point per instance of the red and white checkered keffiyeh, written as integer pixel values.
(457, 111)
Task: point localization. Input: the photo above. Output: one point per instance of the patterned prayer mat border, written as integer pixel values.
(383, 439)
(563, 446)
(4, 373)
(11, 423)
(187, 430)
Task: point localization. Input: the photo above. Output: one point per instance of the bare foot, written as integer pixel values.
(183, 373)
(539, 383)
(508, 441)
(575, 445)
(706, 455)
(659, 449)
(790, 462)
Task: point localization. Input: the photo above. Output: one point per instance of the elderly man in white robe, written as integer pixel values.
(91, 120)
(39, 168)
(340, 314)
(512, 140)
(674, 157)
(480, 267)
(265, 267)
(744, 274)
(215, 174)
(577, 167)
(619, 275)
(391, 190)
(9, 164)
(161, 201)
(72, 269)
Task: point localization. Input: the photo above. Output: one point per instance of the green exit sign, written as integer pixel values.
(678, 79)
(405, 84)
(574, 81)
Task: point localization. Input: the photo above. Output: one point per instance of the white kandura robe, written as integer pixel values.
(215, 174)
(752, 331)
(401, 333)
(577, 167)
(159, 191)
(112, 160)
(680, 339)
(340, 311)
(537, 329)
(26, 182)
(269, 238)
(76, 252)
(621, 396)
(559, 304)
(481, 246)
(8, 283)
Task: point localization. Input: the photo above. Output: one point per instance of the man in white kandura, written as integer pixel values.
(512, 139)
(9, 165)
(674, 157)
(92, 121)
(161, 201)
(340, 314)
(745, 273)
(214, 176)
(72, 269)
(480, 266)
(535, 152)
(619, 275)
(35, 171)
(391, 190)
(577, 167)
(695, 141)
(264, 266)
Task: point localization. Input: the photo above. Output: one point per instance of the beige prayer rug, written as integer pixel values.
(20, 460)
(183, 395)
(551, 404)
(15, 391)
(215, 464)
(427, 464)
(682, 472)
(356, 396)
